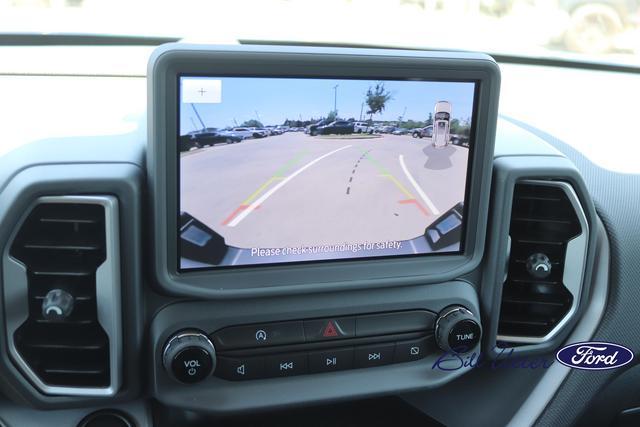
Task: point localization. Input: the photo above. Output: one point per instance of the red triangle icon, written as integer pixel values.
(330, 330)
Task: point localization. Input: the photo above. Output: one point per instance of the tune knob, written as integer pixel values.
(189, 356)
(539, 266)
(457, 330)
(57, 305)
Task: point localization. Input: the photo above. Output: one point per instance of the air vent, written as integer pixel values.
(548, 235)
(67, 244)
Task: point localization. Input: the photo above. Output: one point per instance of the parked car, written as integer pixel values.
(461, 140)
(258, 132)
(362, 127)
(384, 129)
(211, 136)
(337, 127)
(187, 143)
(312, 129)
(244, 132)
(263, 131)
(400, 131)
(274, 130)
(425, 132)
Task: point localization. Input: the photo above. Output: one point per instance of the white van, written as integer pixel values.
(362, 127)
(441, 119)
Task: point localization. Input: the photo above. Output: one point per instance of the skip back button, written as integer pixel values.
(287, 364)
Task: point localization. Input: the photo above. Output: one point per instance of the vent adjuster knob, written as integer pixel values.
(538, 265)
(57, 305)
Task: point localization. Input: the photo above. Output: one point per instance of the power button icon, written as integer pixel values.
(191, 365)
(189, 357)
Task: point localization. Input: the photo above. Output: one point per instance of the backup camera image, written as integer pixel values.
(277, 170)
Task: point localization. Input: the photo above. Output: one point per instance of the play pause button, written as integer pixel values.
(331, 360)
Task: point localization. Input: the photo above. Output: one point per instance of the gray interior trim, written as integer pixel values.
(553, 378)
(574, 265)
(216, 395)
(14, 415)
(108, 298)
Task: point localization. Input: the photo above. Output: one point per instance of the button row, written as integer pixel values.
(301, 331)
(289, 364)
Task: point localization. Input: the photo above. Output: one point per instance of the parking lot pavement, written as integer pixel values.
(295, 190)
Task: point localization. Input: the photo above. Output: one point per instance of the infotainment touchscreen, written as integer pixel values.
(280, 170)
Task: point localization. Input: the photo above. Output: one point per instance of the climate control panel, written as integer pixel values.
(258, 353)
(318, 345)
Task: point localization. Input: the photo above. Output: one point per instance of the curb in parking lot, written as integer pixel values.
(352, 136)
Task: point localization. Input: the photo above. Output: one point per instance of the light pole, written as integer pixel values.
(198, 116)
(335, 99)
(402, 116)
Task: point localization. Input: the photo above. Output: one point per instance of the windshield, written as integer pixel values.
(603, 30)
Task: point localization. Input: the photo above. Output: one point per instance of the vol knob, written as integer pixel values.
(57, 305)
(189, 356)
(457, 330)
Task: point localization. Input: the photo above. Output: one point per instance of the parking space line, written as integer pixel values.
(419, 190)
(243, 213)
(260, 189)
(292, 162)
(276, 176)
(410, 199)
(239, 209)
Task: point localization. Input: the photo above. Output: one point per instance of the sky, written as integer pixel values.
(273, 100)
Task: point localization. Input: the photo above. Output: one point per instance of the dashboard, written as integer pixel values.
(282, 227)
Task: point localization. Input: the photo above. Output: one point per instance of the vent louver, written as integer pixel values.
(537, 295)
(64, 256)
(62, 246)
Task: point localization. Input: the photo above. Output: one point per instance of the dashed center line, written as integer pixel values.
(354, 170)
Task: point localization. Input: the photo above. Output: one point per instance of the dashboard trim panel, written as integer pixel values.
(108, 300)
(574, 265)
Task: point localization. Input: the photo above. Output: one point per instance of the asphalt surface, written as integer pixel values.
(294, 190)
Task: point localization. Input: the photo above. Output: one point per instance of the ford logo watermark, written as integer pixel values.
(594, 355)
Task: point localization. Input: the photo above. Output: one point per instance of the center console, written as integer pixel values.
(331, 253)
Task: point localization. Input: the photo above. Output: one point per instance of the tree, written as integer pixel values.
(430, 120)
(412, 124)
(332, 116)
(377, 98)
(460, 127)
(253, 123)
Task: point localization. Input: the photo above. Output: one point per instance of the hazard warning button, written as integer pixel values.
(329, 329)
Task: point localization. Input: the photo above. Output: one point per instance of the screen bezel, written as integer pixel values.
(468, 173)
(171, 61)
